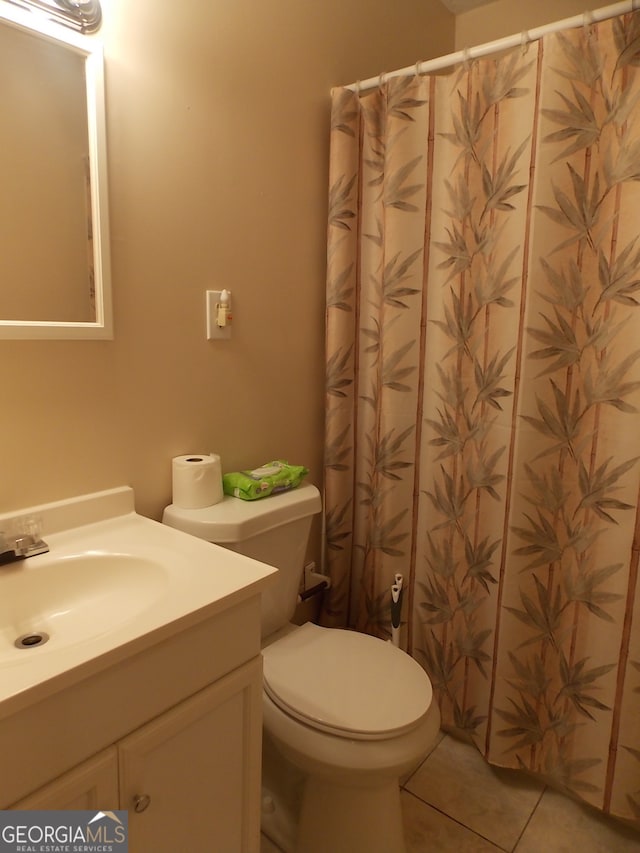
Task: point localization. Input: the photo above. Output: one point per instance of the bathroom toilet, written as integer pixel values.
(345, 715)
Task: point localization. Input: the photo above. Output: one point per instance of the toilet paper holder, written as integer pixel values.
(314, 583)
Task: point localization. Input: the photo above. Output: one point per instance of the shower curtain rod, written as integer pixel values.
(429, 65)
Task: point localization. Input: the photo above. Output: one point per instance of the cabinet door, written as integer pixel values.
(91, 785)
(191, 778)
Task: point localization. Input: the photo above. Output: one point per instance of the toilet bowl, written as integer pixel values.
(354, 714)
(347, 714)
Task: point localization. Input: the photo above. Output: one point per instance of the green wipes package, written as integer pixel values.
(270, 479)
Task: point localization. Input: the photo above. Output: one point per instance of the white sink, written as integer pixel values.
(52, 603)
(113, 583)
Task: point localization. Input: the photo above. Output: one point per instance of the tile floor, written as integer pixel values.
(456, 803)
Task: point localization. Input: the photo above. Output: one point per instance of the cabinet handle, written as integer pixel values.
(141, 802)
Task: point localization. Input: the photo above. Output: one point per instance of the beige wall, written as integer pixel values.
(218, 146)
(506, 17)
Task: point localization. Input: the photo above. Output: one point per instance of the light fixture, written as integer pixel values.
(84, 16)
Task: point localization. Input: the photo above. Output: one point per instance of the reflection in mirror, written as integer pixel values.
(54, 265)
(44, 199)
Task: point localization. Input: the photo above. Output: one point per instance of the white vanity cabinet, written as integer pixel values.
(171, 734)
(189, 779)
(146, 694)
(91, 785)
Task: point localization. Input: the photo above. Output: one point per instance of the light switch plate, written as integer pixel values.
(215, 332)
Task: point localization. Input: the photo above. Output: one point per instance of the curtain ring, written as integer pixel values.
(525, 38)
(382, 78)
(417, 68)
(357, 88)
(588, 19)
(466, 57)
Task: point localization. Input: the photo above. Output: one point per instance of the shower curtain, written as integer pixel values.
(482, 397)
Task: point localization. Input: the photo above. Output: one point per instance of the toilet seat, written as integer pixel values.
(346, 683)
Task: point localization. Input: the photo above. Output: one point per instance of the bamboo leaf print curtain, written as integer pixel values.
(483, 393)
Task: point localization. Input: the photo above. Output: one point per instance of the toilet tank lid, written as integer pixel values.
(235, 520)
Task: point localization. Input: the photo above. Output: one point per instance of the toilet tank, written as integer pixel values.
(274, 530)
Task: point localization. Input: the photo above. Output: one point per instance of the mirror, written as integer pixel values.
(54, 263)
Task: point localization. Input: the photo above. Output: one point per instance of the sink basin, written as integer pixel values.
(70, 598)
(114, 584)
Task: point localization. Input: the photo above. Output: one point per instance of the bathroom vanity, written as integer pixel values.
(159, 711)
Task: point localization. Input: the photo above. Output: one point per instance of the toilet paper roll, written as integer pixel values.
(197, 481)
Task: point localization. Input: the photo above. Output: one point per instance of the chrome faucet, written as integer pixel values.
(19, 546)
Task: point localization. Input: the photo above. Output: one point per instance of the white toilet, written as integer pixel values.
(348, 713)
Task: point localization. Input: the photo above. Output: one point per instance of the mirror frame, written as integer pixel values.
(91, 50)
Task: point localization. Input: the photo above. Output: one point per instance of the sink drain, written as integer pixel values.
(29, 641)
